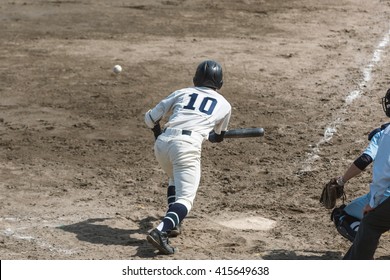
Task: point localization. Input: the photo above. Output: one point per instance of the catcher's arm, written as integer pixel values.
(335, 187)
(355, 168)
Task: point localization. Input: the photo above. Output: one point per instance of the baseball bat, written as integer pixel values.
(244, 132)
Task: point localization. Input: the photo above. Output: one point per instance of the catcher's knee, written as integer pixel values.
(346, 225)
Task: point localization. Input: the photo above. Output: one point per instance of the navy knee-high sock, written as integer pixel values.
(176, 213)
(171, 195)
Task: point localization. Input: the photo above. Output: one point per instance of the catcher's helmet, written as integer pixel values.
(386, 103)
(208, 74)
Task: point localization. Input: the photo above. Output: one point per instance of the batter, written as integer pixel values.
(198, 113)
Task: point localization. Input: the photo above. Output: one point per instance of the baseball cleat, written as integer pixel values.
(345, 224)
(346, 231)
(175, 231)
(159, 240)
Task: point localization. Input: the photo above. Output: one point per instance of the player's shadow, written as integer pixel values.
(306, 255)
(93, 232)
(383, 258)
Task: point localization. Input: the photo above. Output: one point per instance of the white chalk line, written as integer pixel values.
(332, 127)
(17, 233)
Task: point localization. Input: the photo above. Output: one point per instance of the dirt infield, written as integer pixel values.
(78, 177)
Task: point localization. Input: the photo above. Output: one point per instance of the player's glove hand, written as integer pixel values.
(216, 138)
(331, 192)
(156, 130)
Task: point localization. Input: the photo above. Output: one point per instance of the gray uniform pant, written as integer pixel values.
(371, 228)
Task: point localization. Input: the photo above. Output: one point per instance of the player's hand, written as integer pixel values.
(216, 138)
(367, 209)
(156, 130)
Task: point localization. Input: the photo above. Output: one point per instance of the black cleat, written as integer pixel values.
(160, 241)
(345, 224)
(344, 229)
(175, 231)
(336, 214)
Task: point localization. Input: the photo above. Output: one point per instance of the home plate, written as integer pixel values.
(245, 223)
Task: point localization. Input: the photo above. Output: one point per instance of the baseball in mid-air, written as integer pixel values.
(117, 69)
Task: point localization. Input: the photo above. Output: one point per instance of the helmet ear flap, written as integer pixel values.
(199, 75)
(220, 84)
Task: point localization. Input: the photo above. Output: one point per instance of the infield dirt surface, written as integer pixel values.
(78, 177)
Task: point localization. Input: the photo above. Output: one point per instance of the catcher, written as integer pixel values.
(357, 221)
(347, 216)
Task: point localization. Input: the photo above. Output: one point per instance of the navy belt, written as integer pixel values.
(184, 132)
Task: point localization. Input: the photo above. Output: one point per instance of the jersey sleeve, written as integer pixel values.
(223, 125)
(372, 147)
(158, 112)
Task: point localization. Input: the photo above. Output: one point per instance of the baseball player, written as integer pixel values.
(347, 217)
(366, 218)
(198, 113)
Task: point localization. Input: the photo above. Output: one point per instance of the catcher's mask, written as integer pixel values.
(386, 103)
(208, 74)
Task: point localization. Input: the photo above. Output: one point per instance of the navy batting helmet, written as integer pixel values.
(208, 74)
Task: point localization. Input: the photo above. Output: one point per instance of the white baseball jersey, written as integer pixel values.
(198, 109)
(195, 112)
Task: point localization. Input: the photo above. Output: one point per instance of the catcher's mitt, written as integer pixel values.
(330, 193)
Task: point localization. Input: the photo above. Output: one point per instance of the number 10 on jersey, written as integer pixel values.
(207, 105)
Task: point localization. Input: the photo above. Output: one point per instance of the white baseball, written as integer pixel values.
(117, 69)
